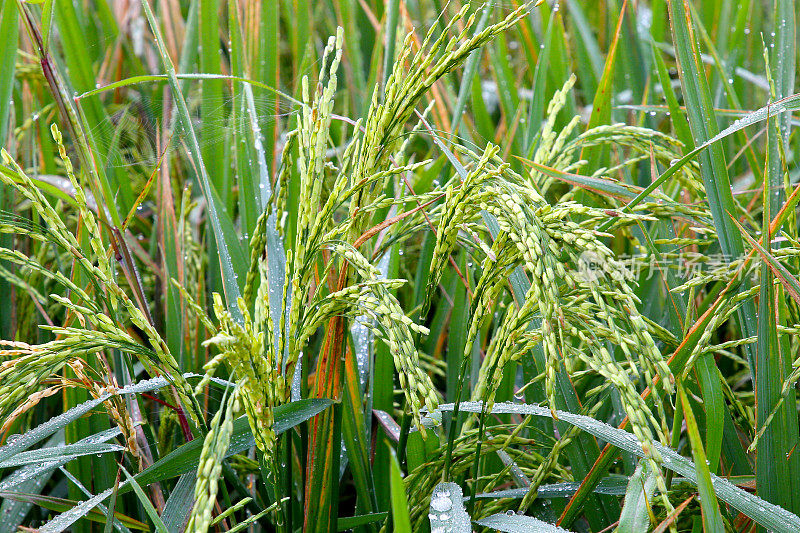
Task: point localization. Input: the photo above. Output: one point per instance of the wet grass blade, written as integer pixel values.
(777, 466)
(587, 48)
(42, 431)
(353, 522)
(355, 434)
(518, 524)
(61, 505)
(268, 59)
(470, 69)
(185, 458)
(714, 171)
(76, 42)
(400, 519)
(712, 519)
(636, 512)
(9, 28)
(216, 210)
(708, 379)
(390, 37)
(679, 122)
(601, 105)
(15, 511)
(145, 501)
(9, 24)
(703, 123)
(112, 508)
(70, 517)
(776, 463)
(767, 514)
(324, 445)
(212, 111)
(179, 504)
(61, 453)
(786, 278)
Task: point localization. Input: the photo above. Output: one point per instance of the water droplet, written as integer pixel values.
(441, 502)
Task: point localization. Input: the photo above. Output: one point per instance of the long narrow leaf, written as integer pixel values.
(769, 515)
(230, 272)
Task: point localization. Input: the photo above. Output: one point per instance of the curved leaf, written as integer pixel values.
(514, 523)
(768, 515)
(635, 515)
(185, 458)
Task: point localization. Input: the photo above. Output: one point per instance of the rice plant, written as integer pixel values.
(399, 266)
